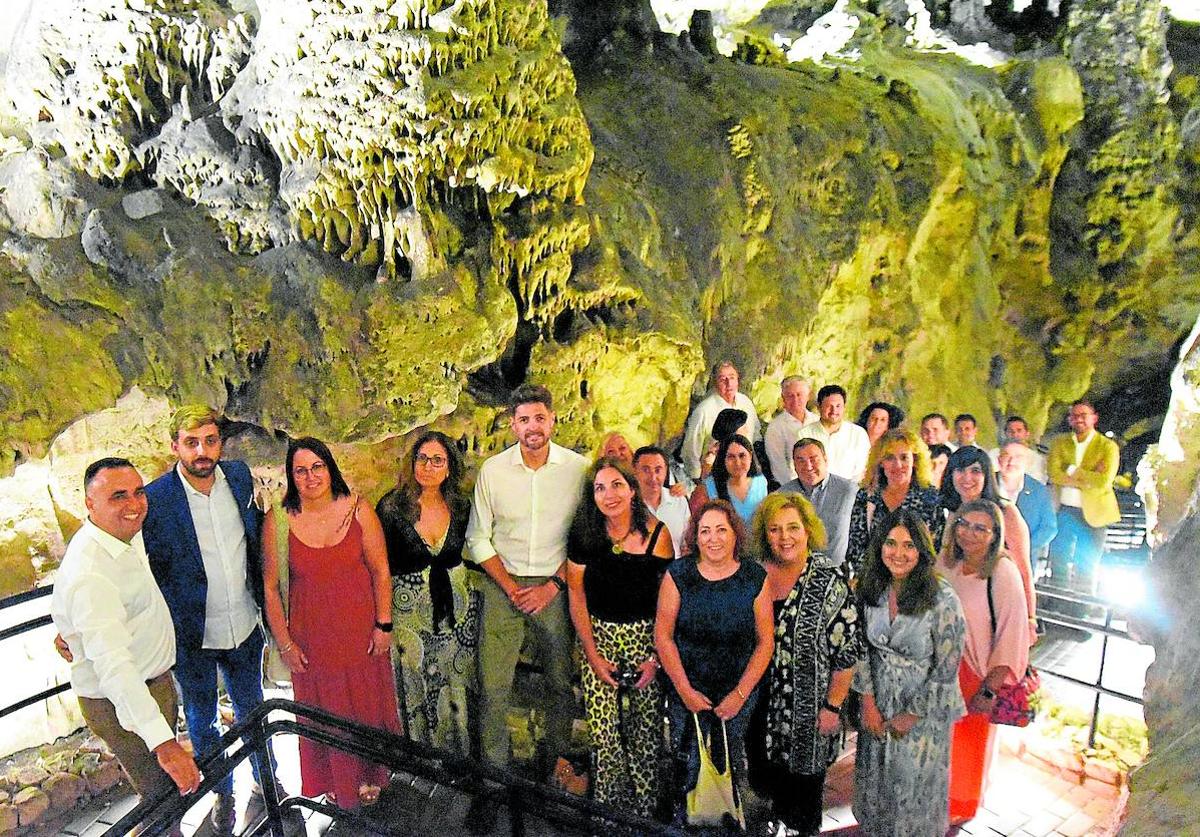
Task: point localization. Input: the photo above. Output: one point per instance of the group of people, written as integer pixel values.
(701, 592)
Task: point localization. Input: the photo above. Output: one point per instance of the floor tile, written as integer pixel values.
(1077, 825)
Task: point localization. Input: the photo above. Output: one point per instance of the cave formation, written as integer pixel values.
(360, 219)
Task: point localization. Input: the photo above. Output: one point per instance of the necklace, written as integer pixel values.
(618, 543)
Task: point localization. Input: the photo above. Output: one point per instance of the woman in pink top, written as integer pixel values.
(973, 561)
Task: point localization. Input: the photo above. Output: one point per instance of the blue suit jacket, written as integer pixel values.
(174, 552)
(1037, 507)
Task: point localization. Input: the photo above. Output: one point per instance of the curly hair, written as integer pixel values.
(889, 441)
(589, 526)
(772, 505)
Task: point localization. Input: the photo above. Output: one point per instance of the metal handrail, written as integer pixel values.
(250, 737)
(23, 628)
(1105, 631)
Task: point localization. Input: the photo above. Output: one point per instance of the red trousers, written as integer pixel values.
(970, 752)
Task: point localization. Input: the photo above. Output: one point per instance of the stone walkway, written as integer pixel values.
(1023, 800)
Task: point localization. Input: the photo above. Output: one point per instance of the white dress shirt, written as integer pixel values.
(674, 513)
(700, 424)
(1069, 495)
(114, 619)
(523, 515)
(230, 613)
(846, 450)
(782, 433)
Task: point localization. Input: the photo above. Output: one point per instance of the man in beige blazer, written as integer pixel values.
(1082, 465)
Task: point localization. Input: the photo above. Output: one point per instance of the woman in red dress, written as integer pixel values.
(336, 633)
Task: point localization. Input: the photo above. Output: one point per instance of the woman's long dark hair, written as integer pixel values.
(720, 474)
(409, 489)
(588, 530)
(919, 591)
(337, 483)
(962, 458)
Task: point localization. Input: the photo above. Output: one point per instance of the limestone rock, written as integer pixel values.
(31, 775)
(65, 790)
(139, 205)
(103, 776)
(38, 195)
(9, 819)
(31, 805)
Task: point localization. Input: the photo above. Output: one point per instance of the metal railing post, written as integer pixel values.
(1100, 677)
(260, 741)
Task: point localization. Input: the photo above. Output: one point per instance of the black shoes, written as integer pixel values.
(223, 815)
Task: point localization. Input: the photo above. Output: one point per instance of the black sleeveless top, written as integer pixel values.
(623, 587)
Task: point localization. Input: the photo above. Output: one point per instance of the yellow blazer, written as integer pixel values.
(1094, 478)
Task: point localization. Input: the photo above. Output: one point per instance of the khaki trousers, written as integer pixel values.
(139, 764)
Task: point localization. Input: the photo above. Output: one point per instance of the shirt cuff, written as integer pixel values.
(155, 732)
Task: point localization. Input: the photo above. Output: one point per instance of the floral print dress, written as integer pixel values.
(901, 785)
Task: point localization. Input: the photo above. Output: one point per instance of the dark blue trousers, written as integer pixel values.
(241, 669)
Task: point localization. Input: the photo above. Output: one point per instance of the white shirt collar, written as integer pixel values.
(556, 456)
(112, 545)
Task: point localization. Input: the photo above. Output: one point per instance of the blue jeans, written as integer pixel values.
(241, 669)
(1079, 544)
(683, 739)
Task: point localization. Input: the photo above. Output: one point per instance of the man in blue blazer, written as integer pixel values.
(202, 539)
(832, 496)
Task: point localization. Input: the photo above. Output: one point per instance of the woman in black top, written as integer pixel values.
(616, 556)
(435, 615)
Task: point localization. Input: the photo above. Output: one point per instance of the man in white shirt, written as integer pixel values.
(202, 534)
(935, 430)
(114, 622)
(784, 429)
(651, 468)
(724, 396)
(525, 498)
(966, 428)
(846, 444)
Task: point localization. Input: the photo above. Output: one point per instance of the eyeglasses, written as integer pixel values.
(317, 469)
(437, 460)
(977, 528)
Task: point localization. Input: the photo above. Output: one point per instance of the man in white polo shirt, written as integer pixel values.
(784, 429)
(724, 396)
(524, 500)
(119, 636)
(846, 444)
(651, 466)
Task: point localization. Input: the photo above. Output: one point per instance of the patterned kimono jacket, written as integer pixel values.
(902, 785)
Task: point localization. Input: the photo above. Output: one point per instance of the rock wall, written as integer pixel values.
(358, 219)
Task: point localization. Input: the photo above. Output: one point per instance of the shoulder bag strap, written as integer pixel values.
(991, 607)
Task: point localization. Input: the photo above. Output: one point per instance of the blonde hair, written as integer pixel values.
(772, 505)
(891, 439)
(191, 416)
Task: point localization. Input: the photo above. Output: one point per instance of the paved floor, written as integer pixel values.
(1022, 800)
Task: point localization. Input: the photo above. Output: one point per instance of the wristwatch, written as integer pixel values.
(836, 710)
(986, 692)
(386, 627)
(559, 583)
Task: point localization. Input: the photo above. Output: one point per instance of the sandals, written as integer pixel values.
(368, 795)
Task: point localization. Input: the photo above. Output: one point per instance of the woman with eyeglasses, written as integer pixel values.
(735, 478)
(969, 476)
(335, 634)
(434, 612)
(996, 652)
(897, 476)
(908, 683)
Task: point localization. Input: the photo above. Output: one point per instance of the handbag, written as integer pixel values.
(274, 668)
(1012, 706)
(714, 800)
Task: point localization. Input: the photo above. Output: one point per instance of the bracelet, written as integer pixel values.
(836, 710)
(386, 627)
(559, 583)
(653, 660)
(291, 645)
(740, 693)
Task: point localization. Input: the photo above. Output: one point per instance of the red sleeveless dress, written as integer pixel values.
(331, 613)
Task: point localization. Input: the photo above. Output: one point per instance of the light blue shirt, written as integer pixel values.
(744, 508)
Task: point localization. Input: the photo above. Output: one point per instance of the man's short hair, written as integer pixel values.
(104, 464)
(191, 416)
(1085, 402)
(1012, 419)
(938, 416)
(794, 379)
(651, 450)
(939, 450)
(965, 417)
(530, 394)
(808, 440)
(718, 366)
(828, 390)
